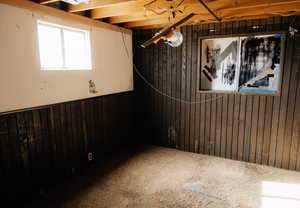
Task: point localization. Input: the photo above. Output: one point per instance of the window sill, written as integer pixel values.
(65, 69)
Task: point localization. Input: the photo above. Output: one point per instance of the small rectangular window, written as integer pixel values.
(63, 48)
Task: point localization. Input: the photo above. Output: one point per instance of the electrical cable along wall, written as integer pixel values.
(254, 128)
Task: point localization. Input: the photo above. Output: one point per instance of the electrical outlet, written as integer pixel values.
(90, 156)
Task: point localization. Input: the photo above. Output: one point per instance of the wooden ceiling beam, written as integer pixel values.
(98, 4)
(48, 1)
(135, 9)
(139, 15)
(132, 12)
(43, 10)
(157, 21)
(135, 17)
(209, 10)
(164, 21)
(209, 21)
(246, 4)
(229, 14)
(142, 15)
(271, 9)
(118, 10)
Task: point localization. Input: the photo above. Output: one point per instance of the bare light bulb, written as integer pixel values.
(175, 40)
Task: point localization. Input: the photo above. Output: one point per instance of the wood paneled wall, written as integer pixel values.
(41, 147)
(253, 128)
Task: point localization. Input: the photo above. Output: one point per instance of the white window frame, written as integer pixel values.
(63, 28)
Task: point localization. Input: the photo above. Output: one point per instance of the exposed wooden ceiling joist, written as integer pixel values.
(209, 10)
(195, 8)
(258, 3)
(115, 11)
(134, 14)
(135, 11)
(142, 15)
(163, 21)
(48, 1)
(45, 10)
(97, 4)
(226, 14)
(196, 20)
(259, 10)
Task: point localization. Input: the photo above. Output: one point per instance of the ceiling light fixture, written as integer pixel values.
(175, 39)
(170, 34)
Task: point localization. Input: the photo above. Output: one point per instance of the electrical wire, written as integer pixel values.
(159, 91)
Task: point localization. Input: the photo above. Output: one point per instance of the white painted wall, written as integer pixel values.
(24, 85)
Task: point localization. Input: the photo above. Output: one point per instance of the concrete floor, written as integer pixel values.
(161, 177)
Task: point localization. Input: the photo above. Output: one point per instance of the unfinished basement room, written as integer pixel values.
(150, 103)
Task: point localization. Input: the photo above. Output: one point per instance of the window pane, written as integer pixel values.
(50, 46)
(76, 52)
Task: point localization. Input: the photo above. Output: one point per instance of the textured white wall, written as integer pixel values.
(24, 85)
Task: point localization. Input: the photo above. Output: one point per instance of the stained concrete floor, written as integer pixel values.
(161, 177)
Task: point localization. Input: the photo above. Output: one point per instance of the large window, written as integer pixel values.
(241, 64)
(63, 48)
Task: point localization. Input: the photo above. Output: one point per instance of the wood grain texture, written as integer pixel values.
(43, 146)
(44, 10)
(253, 128)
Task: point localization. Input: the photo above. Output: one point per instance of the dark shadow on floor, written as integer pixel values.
(74, 186)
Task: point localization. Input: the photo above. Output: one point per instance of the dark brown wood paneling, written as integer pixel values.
(254, 128)
(40, 147)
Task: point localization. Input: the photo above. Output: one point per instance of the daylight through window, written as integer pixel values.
(63, 48)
